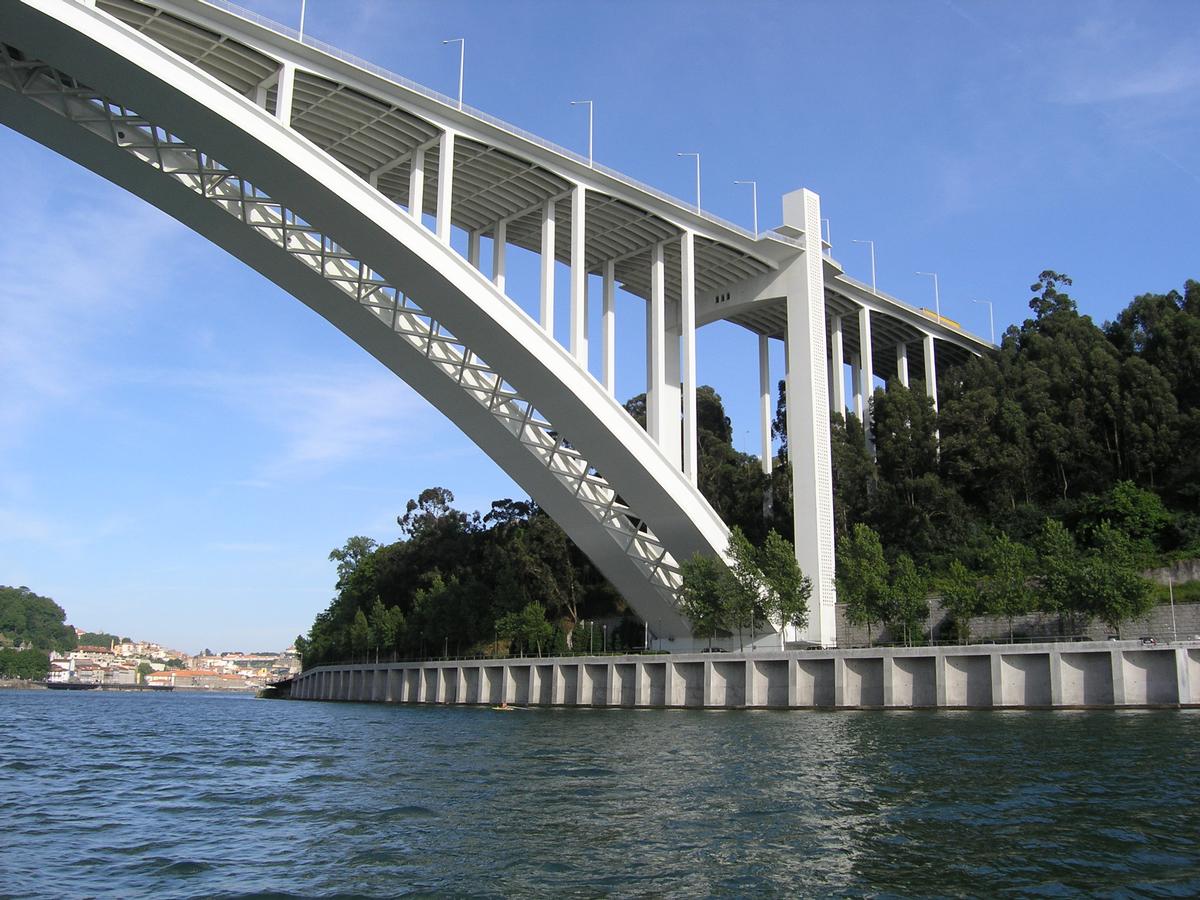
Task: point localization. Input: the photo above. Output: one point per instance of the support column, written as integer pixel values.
(670, 677)
(808, 417)
(260, 91)
(473, 247)
(839, 681)
(578, 343)
(670, 406)
(1117, 664)
(656, 340)
(609, 328)
(558, 685)
(499, 246)
(839, 367)
(997, 670)
(902, 363)
(931, 370)
(867, 370)
(889, 680)
(856, 385)
(416, 185)
(764, 401)
(547, 298)
(1183, 685)
(1056, 667)
(445, 185)
(284, 90)
(687, 324)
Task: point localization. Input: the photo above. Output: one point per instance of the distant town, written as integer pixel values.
(129, 663)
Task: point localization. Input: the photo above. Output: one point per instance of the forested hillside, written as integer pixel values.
(30, 620)
(30, 627)
(462, 582)
(1067, 420)
(1056, 466)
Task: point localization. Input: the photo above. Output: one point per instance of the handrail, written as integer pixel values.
(487, 118)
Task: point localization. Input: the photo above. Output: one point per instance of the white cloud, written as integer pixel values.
(18, 525)
(321, 417)
(72, 253)
(1118, 78)
(1120, 54)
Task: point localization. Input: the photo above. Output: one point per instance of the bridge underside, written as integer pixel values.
(121, 108)
(343, 184)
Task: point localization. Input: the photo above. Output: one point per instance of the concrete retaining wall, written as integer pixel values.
(1157, 623)
(1092, 674)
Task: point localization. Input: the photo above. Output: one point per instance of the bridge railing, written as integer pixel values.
(488, 118)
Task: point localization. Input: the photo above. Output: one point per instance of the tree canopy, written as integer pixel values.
(28, 619)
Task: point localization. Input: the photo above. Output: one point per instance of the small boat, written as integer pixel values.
(72, 685)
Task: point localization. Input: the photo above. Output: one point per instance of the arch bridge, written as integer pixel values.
(350, 187)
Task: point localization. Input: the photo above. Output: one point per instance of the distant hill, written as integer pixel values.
(28, 618)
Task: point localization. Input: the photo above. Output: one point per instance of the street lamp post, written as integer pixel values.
(871, 244)
(697, 155)
(591, 632)
(937, 297)
(754, 200)
(462, 56)
(302, 4)
(604, 645)
(589, 106)
(991, 322)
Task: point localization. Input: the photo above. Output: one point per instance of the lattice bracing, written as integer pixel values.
(273, 220)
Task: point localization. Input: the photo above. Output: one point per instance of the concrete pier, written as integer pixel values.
(1092, 674)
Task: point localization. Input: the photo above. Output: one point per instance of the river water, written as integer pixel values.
(182, 795)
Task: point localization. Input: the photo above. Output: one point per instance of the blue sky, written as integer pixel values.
(181, 444)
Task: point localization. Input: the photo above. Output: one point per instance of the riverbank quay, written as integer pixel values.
(1096, 674)
(20, 684)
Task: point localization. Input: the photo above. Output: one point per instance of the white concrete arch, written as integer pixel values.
(126, 107)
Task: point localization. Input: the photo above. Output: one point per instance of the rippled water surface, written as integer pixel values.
(179, 795)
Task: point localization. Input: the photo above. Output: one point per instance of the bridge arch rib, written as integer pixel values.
(125, 107)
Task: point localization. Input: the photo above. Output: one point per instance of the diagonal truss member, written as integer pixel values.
(273, 221)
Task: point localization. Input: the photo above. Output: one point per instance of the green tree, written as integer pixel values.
(360, 636)
(855, 475)
(1006, 590)
(862, 577)
(788, 589)
(143, 669)
(387, 626)
(536, 632)
(960, 597)
(28, 665)
(1113, 588)
(527, 627)
(1058, 568)
(907, 598)
(98, 639)
(743, 600)
(1138, 513)
(702, 596)
(28, 618)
